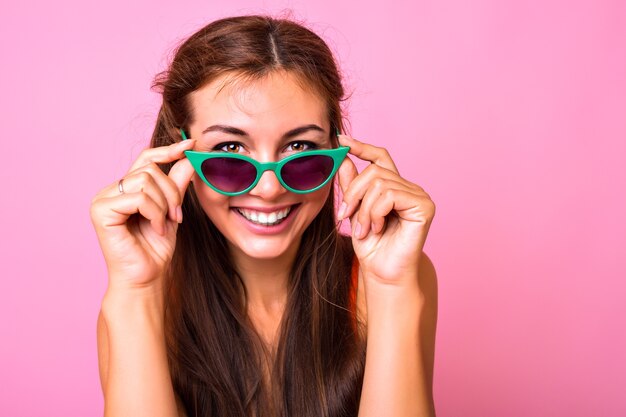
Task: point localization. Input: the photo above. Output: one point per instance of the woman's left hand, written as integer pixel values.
(390, 216)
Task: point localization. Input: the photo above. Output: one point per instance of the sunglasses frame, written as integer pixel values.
(197, 158)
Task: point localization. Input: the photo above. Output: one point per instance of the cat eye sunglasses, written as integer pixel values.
(233, 174)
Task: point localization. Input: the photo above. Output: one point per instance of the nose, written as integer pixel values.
(268, 187)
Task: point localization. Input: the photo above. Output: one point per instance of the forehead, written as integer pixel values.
(275, 103)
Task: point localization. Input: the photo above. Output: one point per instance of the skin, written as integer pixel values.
(390, 219)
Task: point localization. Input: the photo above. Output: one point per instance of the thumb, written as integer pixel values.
(347, 173)
(181, 173)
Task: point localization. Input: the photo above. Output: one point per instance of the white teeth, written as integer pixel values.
(266, 219)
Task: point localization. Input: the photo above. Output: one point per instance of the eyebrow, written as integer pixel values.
(236, 131)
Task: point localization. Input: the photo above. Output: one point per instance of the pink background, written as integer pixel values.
(512, 116)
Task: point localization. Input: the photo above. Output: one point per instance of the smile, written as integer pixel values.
(265, 219)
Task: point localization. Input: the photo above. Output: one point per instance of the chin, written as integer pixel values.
(262, 250)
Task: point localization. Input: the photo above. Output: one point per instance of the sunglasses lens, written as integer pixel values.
(229, 174)
(307, 172)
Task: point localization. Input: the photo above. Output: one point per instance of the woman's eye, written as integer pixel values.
(301, 146)
(233, 147)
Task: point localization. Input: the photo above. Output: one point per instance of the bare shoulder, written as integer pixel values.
(103, 360)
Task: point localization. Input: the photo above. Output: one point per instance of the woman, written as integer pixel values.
(229, 296)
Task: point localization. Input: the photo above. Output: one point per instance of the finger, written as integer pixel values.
(409, 205)
(181, 174)
(163, 154)
(174, 184)
(385, 204)
(370, 175)
(150, 179)
(347, 173)
(374, 154)
(168, 186)
(366, 218)
(115, 211)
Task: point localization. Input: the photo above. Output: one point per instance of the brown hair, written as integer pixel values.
(216, 357)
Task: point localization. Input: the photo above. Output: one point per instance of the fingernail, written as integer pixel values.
(179, 214)
(342, 210)
(172, 215)
(357, 230)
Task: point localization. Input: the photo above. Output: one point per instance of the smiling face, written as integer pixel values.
(267, 120)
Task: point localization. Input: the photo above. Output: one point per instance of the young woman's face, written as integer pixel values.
(267, 120)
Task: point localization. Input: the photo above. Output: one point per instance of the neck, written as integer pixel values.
(266, 280)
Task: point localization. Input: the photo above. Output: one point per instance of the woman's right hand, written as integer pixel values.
(137, 228)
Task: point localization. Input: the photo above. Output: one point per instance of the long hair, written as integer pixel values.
(216, 358)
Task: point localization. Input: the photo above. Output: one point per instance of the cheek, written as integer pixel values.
(212, 203)
(317, 199)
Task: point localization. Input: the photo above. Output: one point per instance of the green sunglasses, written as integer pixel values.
(234, 174)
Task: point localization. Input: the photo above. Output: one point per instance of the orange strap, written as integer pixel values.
(355, 283)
